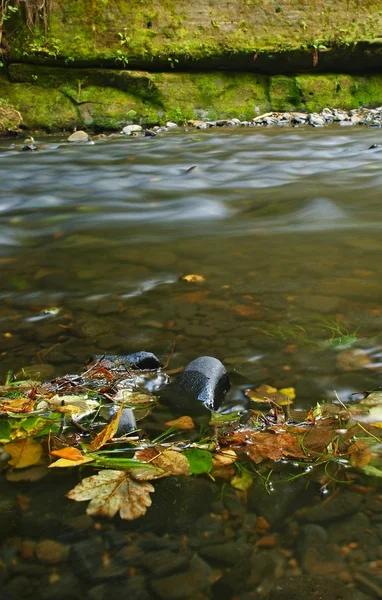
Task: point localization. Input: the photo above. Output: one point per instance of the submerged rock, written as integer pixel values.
(127, 422)
(205, 380)
(142, 360)
(78, 136)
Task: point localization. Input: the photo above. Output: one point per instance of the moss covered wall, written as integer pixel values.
(52, 98)
(102, 63)
(160, 32)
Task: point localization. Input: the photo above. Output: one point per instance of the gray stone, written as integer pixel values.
(129, 129)
(184, 585)
(229, 553)
(316, 120)
(78, 136)
(127, 422)
(171, 125)
(203, 381)
(165, 562)
(306, 587)
(316, 555)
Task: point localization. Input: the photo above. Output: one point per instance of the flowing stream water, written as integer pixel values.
(282, 225)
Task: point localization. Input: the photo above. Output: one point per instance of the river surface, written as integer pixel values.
(283, 226)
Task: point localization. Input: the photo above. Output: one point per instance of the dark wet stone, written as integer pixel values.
(339, 506)
(373, 146)
(142, 360)
(86, 560)
(184, 585)
(133, 588)
(150, 133)
(18, 589)
(310, 588)
(229, 553)
(233, 582)
(316, 555)
(9, 516)
(178, 502)
(165, 562)
(204, 379)
(66, 588)
(358, 529)
(286, 497)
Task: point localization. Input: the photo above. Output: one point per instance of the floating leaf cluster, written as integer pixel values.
(73, 421)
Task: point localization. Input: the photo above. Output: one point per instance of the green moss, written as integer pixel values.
(41, 108)
(155, 29)
(284, 93)
(320, 91)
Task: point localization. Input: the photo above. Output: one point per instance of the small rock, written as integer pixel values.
(129, 129)
(184, 585)
(78, 136)
(316, 555)
(126, 423)
(150, 133)
(306, 587)
(171, 125)
(353, 360)
(51, 552)
(229, 553)
(339, 506)
(316, 120)
(198, 124)
(165, 562)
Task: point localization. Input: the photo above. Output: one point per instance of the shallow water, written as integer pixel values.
(284, 226)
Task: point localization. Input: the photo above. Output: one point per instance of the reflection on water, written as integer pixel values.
(285, 227)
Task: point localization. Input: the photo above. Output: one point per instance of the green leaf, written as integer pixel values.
(5, 431)
(372, 471)
(200, 461)
(243, 481)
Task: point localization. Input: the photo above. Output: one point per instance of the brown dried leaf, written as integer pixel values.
(111, 491)
(169, 462)
(182, 423)
(107, 433)
(224, 457)
(262, 445)
(359, 454)
(24, 453)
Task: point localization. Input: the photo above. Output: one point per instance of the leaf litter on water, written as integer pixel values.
(69, 407)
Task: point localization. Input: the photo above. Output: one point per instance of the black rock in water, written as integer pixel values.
(204, 379)
(373, 146)
(142, 360)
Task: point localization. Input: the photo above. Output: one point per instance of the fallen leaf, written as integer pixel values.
(266, 393)
(133, 398)
(262, 445)
(182, 423)
(359, 454)
(250, 312)
(224, 457)
(243, 481)
(111, 491)
(107, 433)
(169, 462)
(24, 453)
(19, 405)
(65, 462)
(69, 453)
(200, 461)
(192, 278)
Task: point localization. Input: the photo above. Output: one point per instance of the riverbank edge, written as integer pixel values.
(53, 99)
